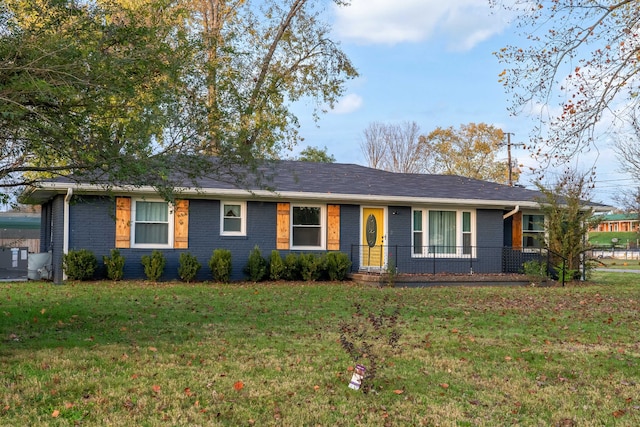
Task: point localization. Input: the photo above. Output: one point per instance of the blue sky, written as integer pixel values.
(432, 62)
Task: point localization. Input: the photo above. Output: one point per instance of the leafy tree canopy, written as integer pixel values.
(471, 151)
(314, 154)
(123, 91)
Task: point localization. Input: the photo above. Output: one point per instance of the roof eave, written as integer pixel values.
(47, 190)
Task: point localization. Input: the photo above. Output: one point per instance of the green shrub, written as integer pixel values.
(277, 268)
(189, 267)
(154, 265)
(311, 267)
(566, 274)
(391, 273)
(114, 265)
(256, 267)
(535, 269)
(80, 264)
(220, 265)
(337, 265)
(292, 267)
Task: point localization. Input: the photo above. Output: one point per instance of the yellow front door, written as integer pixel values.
(373, 236)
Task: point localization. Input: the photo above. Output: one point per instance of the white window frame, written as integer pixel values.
(243, 218)
(170, 225)
(459, 250)
(323, 227)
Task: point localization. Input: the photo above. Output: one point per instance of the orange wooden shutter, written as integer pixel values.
(516, 230)
(282, 226)
(333, 227)
(181, 225)
(123, 222)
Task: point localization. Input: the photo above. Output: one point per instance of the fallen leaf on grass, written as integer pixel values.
(444, 385)
(156, 388)
(619, 413)
(398, 391)
(316, 387)
(238, 385)
(55, 414)
(153, 349)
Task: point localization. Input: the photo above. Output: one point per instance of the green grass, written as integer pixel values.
(268, 354)
(618, 264)
(603, 238)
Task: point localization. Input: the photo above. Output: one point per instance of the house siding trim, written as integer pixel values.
(333, 227)
(282, 226)
(123, 222)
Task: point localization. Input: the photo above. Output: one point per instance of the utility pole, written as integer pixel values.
(509, 144)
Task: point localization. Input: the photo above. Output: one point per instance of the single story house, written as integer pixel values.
(618, 222)
(418, 223)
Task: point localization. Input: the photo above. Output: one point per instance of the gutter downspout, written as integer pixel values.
(511, 213)
(65, 240)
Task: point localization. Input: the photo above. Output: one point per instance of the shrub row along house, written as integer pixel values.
(414, 223)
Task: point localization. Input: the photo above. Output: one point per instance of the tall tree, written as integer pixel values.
(567, 217)
(579, 61)
(133, 90)
(471, 151)
(374, 145)
(258, 57)
(394, 147)
(90, 87)
(628, 148)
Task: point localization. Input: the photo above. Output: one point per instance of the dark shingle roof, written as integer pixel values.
(331, 181)
(341, 178)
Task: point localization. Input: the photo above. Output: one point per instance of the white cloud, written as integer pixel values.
(348, 104)
(463, 23)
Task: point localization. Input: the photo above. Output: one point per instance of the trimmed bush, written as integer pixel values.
(114, 265)
(311, 267)
(292, 267)
(277, 268)
(256, 267)
(189, 267)
(80, 264)
(220, 265)
(154, 265)
(337, 265)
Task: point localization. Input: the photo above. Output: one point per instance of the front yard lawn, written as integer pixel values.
(134, 353)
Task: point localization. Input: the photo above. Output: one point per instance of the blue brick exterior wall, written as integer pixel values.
(350, 233)
(92, 226)
(489, 229)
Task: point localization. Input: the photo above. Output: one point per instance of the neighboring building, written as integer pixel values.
(419, 223)
(18, 229)
(619, 222)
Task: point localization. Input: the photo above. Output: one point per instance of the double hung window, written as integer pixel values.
(152, 224)
(233, 218)
(307, 227)
(532, 231)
